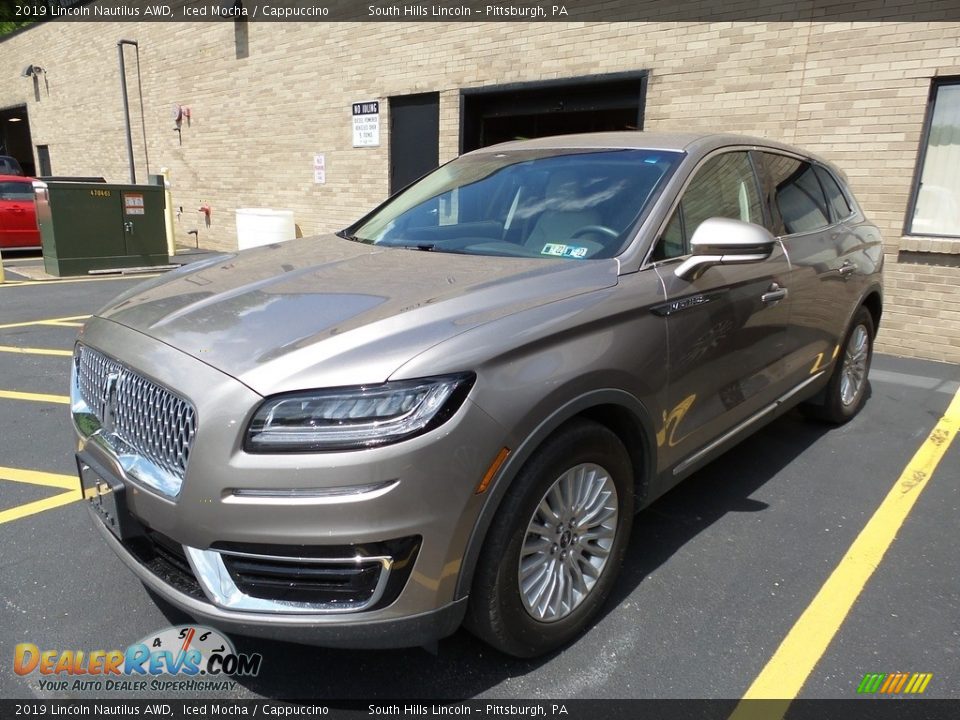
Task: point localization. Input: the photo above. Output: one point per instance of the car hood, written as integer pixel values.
(326, 312)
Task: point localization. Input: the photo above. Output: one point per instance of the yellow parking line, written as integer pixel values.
(37, 477)
(32, 508)
(63, 324)
(785, 674)
(35, 397)
(35, 351)
(43, 321)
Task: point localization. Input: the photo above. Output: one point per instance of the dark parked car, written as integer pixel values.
(10, 166)
(450, 411)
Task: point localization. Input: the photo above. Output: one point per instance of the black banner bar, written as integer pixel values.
(19, 11)
(856, 709)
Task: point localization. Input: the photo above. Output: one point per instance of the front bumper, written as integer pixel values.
(421, 488)
(355, 631)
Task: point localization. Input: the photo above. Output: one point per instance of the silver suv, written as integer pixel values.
(449, 412)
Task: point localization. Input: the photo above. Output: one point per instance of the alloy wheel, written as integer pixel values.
(854, 373)
(568, 542)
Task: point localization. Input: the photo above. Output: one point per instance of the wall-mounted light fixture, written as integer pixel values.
(180, 113)
(35, 71)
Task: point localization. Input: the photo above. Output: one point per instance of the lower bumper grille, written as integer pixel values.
(327, 584)
(165, 558)
(350, 577)
(316, 579)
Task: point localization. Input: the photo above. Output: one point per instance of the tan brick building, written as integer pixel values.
(265, 98)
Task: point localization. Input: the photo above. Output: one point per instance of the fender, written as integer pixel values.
(872, 288)
(506, 475)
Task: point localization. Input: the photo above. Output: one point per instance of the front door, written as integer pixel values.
(728, 327)
(18, 217)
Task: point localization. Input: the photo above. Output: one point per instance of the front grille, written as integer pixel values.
(147, 417)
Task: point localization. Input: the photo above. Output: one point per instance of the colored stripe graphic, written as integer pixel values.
(894, 683)
(787, 671)
(871, 682)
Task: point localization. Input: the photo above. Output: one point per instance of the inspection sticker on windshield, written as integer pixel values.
(560, 250)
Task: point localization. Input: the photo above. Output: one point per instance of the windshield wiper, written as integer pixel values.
(347, 236)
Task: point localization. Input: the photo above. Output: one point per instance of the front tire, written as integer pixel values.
(554, 550)
(847, 389)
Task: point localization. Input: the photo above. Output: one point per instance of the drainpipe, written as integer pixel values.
(126, 106)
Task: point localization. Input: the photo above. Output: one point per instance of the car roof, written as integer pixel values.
(689, 142)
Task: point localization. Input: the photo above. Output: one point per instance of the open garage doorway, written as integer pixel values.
(596, 103)
(15, 137)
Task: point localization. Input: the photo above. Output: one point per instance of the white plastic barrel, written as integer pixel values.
(263, 226)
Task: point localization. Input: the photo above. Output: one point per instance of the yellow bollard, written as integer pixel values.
(1, 267)
(168, 217)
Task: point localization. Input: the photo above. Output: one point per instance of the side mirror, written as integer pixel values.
(724, 241)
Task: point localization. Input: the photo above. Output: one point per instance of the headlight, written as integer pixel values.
(355, 417)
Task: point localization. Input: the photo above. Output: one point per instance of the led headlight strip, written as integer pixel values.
(351, 418)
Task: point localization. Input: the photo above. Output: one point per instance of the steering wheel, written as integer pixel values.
(600, 229)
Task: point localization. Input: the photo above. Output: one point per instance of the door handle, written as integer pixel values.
(774, 294)
(847, 268)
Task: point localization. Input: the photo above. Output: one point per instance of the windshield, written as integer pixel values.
(575, 204)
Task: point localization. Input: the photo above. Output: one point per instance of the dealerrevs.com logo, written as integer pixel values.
(184, 657)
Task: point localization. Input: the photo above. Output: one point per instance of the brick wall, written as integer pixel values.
(853, 92)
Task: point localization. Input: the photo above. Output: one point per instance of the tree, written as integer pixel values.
(15, 14)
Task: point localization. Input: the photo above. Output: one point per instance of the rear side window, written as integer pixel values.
(797, 194)
(16, 191)
(838, 202)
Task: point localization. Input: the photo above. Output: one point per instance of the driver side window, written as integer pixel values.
(724, 186)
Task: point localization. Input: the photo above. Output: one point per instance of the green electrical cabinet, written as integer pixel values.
(99, 226)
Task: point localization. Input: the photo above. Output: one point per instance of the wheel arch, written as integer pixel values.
(617, 410)
(873, 302)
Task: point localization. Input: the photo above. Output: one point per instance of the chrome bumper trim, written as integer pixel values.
(219, 587)
(308, 496)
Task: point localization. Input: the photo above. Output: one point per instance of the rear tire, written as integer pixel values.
(555, 548)
(847, 389)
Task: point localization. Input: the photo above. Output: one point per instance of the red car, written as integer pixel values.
(18, 214)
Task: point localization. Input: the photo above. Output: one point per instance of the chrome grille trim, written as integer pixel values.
(146, 424)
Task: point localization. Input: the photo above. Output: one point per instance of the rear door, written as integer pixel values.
(18, 216)
(727, 328)
(805, 217)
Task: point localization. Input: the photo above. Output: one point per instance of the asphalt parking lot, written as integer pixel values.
(718, 574)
